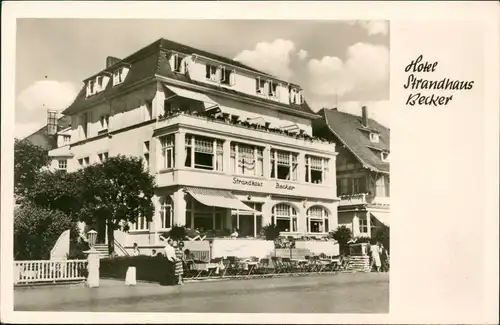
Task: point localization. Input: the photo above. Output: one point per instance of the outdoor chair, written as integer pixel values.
(287, 265)
(265, 267)
(277, 264)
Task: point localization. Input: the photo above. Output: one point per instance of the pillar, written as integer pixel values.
(368, 222)
(267, 162)
(155, 224)
(302, 217)
(93, 261)
(179, 207)
(355, 225)
(226, 156)
(301, 165)
(180, 152)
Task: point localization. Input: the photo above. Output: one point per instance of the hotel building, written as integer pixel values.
(363, 174)
(229, 146)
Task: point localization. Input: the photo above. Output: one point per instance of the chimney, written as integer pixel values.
(51, 122)
(111, 61)
(364, 116)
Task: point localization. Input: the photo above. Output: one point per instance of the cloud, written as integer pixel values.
(374, 27)
(47, 94)
(366, 67)
(273, 58)
(302, 54)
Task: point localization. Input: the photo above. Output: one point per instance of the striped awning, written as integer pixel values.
(381, 217)
(217, 198)
(189, 94)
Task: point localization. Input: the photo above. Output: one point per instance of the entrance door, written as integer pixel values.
(246, 225)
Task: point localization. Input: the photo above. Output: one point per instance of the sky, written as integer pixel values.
(342, 64)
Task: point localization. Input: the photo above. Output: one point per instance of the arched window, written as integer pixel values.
(285, 217)
(166, 212)
(317, 220)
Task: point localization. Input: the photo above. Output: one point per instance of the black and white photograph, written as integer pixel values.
(181, 164)
(250, 162)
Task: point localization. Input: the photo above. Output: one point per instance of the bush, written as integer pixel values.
(37, 229)
(148, 268)
(342, 235)
(271, 232)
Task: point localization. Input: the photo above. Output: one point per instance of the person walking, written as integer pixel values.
(136, 251)
(179, 255)
(375, 254)
(384, 257)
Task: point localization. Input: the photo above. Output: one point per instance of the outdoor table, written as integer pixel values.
(210, 267)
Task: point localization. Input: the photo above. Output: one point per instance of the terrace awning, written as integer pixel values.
(381, 217)
(217, 198)
(194, 95)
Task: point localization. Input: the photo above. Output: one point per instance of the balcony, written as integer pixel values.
(219, 125)
(363, 198)
(220, 180)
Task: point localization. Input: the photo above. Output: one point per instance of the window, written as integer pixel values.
(249, 224)
(85, 120)
(100, 82)
(86, 161)
(66, 139)
(204, 153)
(178, 63)
(166, 212)
(80, 162)
(384, 156)
(227, 76)
(363, 225)
(317, 220)
(374, 137)
(91, 87)
(140, 224)
(102, 156)
(284, 217)
(283, 165)
(273, 89)
(295, 96)
(382, 186)
(62, 164)
(167, 151)
(202, 217)
(213, 72)
(246, 159)
(149, 110)
(350, 186)
(316, 169)
(260, 86)
(119, 75)
(104, 122)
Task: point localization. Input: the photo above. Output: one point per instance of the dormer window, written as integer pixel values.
(374, 137)
(91, 87)
(213, 72)
(273, 89)
(119, 75)
(227, 76)
(260, 86)
(100, 82)
(178, 63)
(385, 156)
(295, 96)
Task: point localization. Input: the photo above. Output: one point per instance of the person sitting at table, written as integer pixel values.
(235, 233)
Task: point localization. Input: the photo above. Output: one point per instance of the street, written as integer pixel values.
(338, 293)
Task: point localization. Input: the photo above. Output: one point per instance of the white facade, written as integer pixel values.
(287, 179)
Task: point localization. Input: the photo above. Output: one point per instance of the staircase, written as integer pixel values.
(102, 249)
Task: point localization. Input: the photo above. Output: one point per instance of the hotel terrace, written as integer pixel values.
(229, 146)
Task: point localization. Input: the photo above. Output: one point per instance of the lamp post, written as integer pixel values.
(210, 243)
(93, 261)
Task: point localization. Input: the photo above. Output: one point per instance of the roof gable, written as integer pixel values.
(349, 129)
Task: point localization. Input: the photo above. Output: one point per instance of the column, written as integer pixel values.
(266, 212)
(267, 161)
(355, 225)
(179, 207)
(155, 222)
(228, 219)
(301, 172)
(226, 156)
(180, 152)
(302, 217)
(368, 222)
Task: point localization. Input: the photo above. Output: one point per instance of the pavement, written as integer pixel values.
(336, 293)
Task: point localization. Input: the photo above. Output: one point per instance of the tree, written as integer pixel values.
(36, 230)
(57, 191)
(28, 160)
(116, 192)
(178, 233)
(271, 232)
(342, 235)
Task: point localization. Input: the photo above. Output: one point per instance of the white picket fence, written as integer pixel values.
(49, 271)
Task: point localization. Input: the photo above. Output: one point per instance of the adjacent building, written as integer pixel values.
(362, 165)
(229, 146)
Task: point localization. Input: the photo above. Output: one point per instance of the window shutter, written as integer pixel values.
(172, 61)
(257, 85)
(278, 88)
(207, 71)
(223, 73)
(184, 66)
(218, 74)
(231, 77)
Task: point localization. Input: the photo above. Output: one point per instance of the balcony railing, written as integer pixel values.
(363, 198)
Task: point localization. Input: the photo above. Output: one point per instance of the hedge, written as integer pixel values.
(153, 269)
